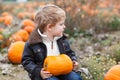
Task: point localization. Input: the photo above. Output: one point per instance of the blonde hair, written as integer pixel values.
(48, 14)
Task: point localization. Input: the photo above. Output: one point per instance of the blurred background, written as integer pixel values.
(93, 29)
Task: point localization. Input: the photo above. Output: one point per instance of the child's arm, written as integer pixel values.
(71, 54)
(69, 51)
(29, 64)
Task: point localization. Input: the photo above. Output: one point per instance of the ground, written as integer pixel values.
(12, 72)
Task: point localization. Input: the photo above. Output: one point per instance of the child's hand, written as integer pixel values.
(45, 74)
(75, 65)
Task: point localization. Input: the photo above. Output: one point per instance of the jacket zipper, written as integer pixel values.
(52, 45)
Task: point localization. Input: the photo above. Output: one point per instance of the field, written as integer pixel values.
(92, 27)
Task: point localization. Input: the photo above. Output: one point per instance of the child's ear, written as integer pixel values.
(49, 27)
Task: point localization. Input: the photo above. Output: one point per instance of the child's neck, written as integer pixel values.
(49, 36)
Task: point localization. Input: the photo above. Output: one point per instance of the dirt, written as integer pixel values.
(12, 72)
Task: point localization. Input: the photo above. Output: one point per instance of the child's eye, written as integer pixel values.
(62, 24)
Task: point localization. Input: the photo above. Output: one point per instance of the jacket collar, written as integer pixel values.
(35, 37)
(45, 37)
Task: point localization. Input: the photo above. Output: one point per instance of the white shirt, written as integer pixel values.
(52, 47)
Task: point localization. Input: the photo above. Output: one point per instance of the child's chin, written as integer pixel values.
(60, 35)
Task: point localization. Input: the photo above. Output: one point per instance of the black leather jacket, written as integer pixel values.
(35, 52)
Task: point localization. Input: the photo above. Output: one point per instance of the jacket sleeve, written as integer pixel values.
(28, 62)
(69, 51)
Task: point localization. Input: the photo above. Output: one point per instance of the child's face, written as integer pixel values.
(58, 29)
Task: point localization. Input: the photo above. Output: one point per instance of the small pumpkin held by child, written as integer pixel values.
(58, 65)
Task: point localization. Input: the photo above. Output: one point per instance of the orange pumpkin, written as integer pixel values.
(58, 65)
(29, 29)
(1, 37)
(21, 15)
(24, 34)
(15, 37)
(5, 14)
(113, 73)
(15, 52)
(8, 20)
(28, 22)
(2, 19)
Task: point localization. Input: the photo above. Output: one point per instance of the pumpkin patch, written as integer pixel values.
(92, 29)
(58, 65)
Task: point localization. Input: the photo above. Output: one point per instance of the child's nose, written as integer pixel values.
(64, 26)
